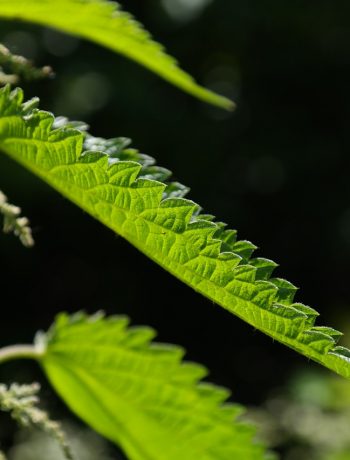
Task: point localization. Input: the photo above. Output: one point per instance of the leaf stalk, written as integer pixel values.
(13, 352)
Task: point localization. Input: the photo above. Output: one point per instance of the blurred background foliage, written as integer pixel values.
(277, 169)
(308, 419)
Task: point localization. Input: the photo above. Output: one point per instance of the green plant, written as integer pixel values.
(136, 393)
(21, 402)
(14, 223)
(105, 23)
(98, 364)
(308, 419)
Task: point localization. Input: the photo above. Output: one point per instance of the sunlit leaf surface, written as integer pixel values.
(126, 191)
(141, 395)
(105, 23)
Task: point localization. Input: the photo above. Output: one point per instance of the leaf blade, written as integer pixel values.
(107, 181)
(135, 394)
(104, 23)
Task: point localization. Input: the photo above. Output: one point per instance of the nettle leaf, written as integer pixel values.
(140, 394)
(105, 23)
(117, 186)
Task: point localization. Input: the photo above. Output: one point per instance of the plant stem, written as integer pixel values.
(19, 352)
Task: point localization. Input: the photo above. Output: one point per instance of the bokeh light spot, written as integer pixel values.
(59, 44)
(184, 10)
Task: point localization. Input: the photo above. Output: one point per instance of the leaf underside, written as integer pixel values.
(128, 193)
(105, 23)
(140, 394)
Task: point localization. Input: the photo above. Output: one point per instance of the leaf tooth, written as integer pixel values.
(318, 341)
(8, 104)
(117, 148)
(175, 190)
(212, 249)
(112, 147)
(228, 238)
(124, 173)
(230, 411)
(120, 143)
(131, 154)
(64, 122)
(343, 352)
(29, 105)
(244, 249)
(264, 294)
(212, 395)
(15, 97)
(311, 313)
(156, 173)
(90, 142)
(245, 272)
(80, 317)
(264, 267)
(197, 214)
(199, 232)
(138, 336)
(172, 214)
(6, 91)
(208, 217)
(286, 290)
(287, 311)
(166, 352)
(40, 122)
(92, 156)
(294, 322)
(221, 227)
(179, 203)
(110, 319)
(202, 226)
(142, 158)
(260, 293)
(112, 330)
(100, 316)
(63, 319)
(329, 331)
(231, 259)
(218, 268)
(189, 373)
(148, 194)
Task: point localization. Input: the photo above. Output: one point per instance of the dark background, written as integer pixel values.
(277, 169)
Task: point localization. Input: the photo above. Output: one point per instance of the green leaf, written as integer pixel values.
(104, 22)
(114, 184)
(141, 395)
